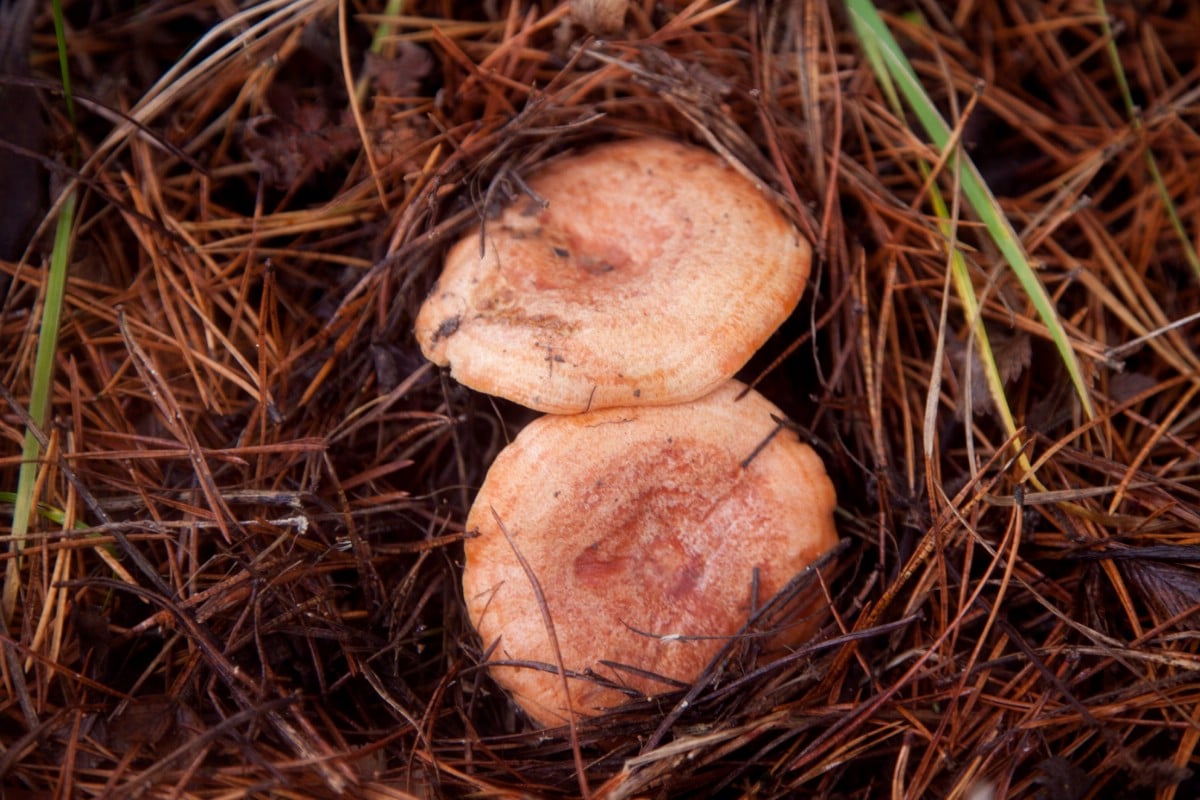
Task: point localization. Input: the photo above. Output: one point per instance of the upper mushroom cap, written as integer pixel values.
(650, 275)
(640, 523)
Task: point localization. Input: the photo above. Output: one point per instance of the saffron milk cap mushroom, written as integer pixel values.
(653, 533)
(638, 272)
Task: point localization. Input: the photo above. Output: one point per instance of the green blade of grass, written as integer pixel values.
(959, 273)
(50, 513)
(43, 370)
(1110, 43)
(869, 27)
(39, 398)
(60, 35)
(378, 42)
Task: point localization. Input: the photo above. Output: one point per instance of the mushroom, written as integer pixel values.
(640, 272)
(653, 534)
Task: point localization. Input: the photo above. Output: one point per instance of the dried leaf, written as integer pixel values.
(1169, 589)
(1012, 354)
(401, 75)
(156, 724)
(1127, 385)
(297, 142)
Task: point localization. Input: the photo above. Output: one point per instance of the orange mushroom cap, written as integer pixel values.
(650, 275)
(646, 529)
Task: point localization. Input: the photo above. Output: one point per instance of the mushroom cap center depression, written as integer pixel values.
(665, 538)
(637, 560)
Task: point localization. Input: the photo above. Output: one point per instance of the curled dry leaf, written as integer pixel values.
(1170, 590)
(400, 75)
(1012, 353)
(159, 723)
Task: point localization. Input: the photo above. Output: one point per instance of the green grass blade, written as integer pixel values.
(60, 36)
(378, 42)
(960, 275)
(55, 515)
(869, 26)
(43, 371)
(39, 398)
(1110, 43)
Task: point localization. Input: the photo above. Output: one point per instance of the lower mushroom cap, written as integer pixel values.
(646, 529)
(650, 276)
